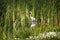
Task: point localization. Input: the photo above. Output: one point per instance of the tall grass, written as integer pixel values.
(16, 25)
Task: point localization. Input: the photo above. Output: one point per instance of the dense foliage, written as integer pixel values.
(15, 18)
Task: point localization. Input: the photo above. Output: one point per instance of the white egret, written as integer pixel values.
(32, 20)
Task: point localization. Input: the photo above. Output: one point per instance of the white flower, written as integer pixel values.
(51, 34)
(27, 38)
(15, 38)
(30, 37)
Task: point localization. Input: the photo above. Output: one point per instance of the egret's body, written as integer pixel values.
(33, 21)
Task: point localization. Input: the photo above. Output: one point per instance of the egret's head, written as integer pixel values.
(30, 13)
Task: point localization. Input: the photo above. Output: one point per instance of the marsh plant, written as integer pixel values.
(29, 19)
